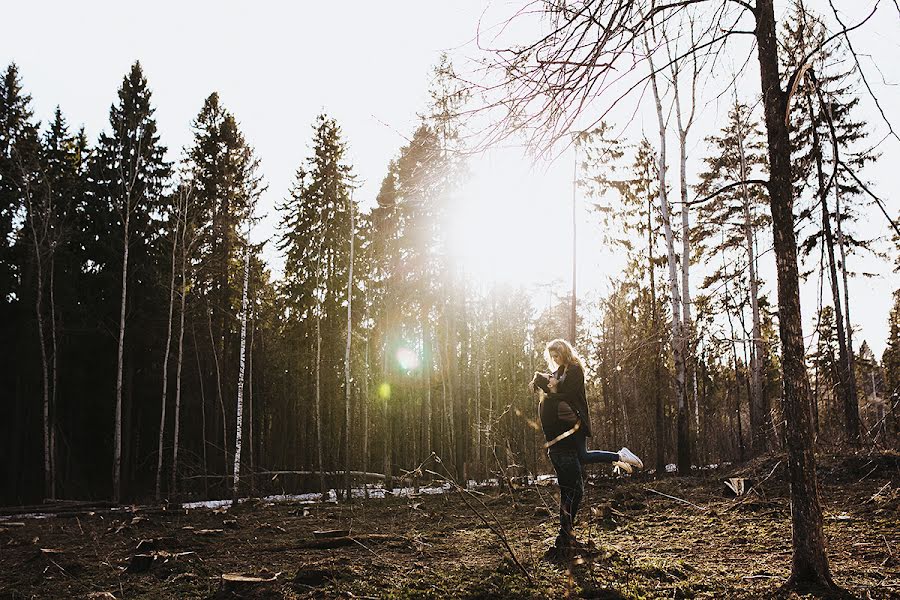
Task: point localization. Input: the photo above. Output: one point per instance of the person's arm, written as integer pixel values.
(570, 387)
(570, 390)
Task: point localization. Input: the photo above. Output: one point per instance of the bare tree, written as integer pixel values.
(183, 215)
(125, 208)
(366, 399)
(684, 127)
(679, 346)
(347, 355)
(39, 217)
(165, 375)
(318, 406)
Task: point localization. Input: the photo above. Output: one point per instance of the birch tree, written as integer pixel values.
(240, 387)
(186, 221)
(679, 345)
(130, 175)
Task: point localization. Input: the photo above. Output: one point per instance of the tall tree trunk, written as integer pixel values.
(318, 405)
(573, 314)
(366, 400)
(660, 416)
(165, 375)
(809, 568)
(426, 368)
(178, 366)
(219, 396)
(37, 240)
(737, 386)
(478, 424)
(851, 359)
(847, 398)
(202, 420)
(758, 412)
(251, 455)
(117, 444)
(678, 339)
(853, 402)
(239, 419)
(347, 360)
(388, 442)
(687, 321)
(449, 409)
(54, 378)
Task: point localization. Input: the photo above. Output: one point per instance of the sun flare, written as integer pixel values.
(501, 225)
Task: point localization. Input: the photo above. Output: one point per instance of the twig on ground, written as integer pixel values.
(869, 473)
(674, 498)
(878, 493)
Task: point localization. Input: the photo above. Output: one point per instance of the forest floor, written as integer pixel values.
(673, 537)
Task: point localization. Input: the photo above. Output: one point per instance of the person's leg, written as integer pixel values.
(590, 457)
(576, 495)
(568, 474)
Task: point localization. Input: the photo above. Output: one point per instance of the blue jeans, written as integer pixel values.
(571, 489)
(590, 457)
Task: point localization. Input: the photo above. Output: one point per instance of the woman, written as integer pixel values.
(566, 425)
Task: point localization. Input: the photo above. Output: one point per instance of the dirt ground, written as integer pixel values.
(652, 538)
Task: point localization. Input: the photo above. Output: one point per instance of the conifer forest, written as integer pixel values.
(220, 382)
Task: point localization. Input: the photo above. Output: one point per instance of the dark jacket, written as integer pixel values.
(571, 391)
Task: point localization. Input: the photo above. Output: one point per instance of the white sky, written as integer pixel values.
(276, 65)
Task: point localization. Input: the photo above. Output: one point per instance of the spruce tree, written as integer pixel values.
(24, 241)
(826, 368)
(223, 173)
(16, 126)
(828, 156)
(315, 229)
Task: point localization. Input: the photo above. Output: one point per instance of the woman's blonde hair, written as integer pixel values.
(566, 353)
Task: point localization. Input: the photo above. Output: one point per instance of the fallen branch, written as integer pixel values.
(347, 540)
(674, 498)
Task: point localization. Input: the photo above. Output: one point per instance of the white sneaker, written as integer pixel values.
(630, 458)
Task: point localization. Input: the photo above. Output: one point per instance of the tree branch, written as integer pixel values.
(724, 189)
(858, 66)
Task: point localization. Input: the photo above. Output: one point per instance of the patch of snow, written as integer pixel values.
(207, 504)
